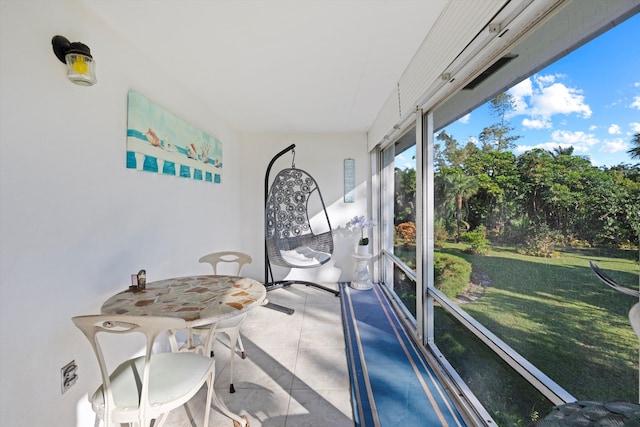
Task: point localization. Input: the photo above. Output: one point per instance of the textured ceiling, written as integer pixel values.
(307, 66)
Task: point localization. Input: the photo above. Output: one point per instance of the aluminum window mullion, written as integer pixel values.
(422, 302)
(426, 233)
(386, 211)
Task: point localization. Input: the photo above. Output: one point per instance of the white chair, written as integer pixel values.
(230, 327)
(147, 387)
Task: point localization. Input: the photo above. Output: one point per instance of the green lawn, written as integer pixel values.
(559, 316)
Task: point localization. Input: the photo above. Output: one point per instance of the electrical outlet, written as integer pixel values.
(69, 375)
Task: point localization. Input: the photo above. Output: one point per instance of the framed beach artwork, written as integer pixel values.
(160, 142)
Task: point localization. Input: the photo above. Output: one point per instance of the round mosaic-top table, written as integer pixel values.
(199, 300)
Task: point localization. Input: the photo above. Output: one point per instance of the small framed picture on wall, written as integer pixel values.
(349, 180)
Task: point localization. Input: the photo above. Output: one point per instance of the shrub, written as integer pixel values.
(577, 243)
(407, 232)
(627, 245)
(440, 234)
(478, 241)
(452, 274)
(542, 242)
(517, 230)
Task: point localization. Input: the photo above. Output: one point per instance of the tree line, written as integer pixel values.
(538, 194)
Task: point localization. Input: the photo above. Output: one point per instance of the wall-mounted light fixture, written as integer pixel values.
(81, 68)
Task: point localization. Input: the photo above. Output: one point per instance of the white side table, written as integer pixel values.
(361, 280)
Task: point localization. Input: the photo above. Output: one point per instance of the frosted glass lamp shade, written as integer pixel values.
(81, 68)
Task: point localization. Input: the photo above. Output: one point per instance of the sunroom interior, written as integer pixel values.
(357, 80)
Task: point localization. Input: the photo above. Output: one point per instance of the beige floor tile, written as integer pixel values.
(318, 334)
(314, 408)
(324, 368)
(260, 370)
(295, 373)
(322, 311)
(262, 407)
(272, 335)
(266, 314)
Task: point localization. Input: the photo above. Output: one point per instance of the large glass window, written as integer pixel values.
(528, 189)
(399, 181)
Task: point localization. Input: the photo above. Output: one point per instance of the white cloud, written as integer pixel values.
(559, 99)
(520, 92)
(580, 141)
(542, 97)
(593, 127)
(547, 146)
(636, 102)
(547, 80)
(409, 165)
(522, 148)
(577, 138)
(614, 146)
(635, 127)
(614, 129)
(536, 123)
(465, 119)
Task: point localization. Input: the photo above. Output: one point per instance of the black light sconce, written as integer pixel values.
(81, 68)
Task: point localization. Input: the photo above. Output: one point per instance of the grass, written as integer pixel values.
(560, 317)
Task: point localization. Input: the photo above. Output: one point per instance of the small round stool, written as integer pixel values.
(361, 280)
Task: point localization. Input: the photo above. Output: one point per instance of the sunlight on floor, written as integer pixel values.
(295, 373)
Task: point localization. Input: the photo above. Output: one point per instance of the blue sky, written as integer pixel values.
(589, 99)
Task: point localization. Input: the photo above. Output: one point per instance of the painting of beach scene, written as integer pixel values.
(160, 142)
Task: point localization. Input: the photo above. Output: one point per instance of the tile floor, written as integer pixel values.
(295, 373)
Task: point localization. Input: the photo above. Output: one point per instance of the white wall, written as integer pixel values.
(75, 223)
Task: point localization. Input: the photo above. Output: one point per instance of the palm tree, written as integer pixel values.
(459, 187)
(560, 151)
(635, 151)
